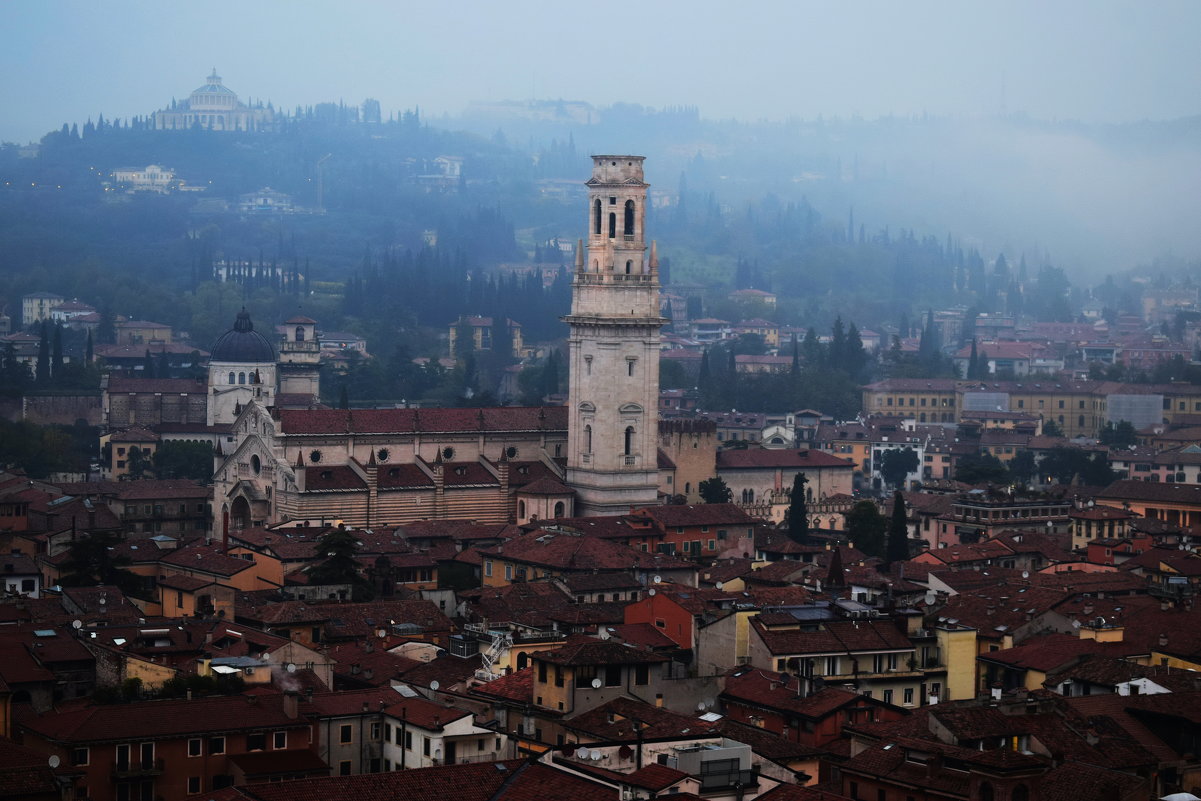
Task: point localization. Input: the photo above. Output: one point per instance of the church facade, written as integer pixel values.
(380, 467)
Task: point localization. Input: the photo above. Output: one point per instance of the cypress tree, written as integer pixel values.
(56, 352)
(973, 364)
(898, 532)
(798, 511)
(43, 366)
(89, 351)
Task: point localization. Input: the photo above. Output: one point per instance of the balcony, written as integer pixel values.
(137, 768)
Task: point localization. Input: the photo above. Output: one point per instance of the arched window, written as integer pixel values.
(629, 221)
(687, 487)
(300, 333)
(629, 442)
(587, 439)
(521, 508)
(750, 496)
(596, 223)
(241, 378)
(231, 377)
(612, 225)
(559, 509)
(629, 266)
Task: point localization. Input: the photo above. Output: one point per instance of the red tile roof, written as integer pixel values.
(624, 719)
(425, 714)
(398, 421)
(512, 780)
(581, 650)
(161, 719)
(751, 458)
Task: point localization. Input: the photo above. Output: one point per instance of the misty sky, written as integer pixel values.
(1087, 59)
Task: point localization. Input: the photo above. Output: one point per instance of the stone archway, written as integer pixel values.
(239, 514)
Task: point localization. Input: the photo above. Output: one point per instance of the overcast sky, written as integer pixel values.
(1093, 60)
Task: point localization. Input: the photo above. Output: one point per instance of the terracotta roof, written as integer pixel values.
(1160, 492)
(425, 714)
(581, 650)
(838, 636)
(577, 552)
(763, 458)
(765, 688)
(546, 486)
(397, 421)
(205, 558)
(705, 514)
(516, 687)
(159, 719)
(291, 762)
(118, 384)
(624, 719)
(511, 780)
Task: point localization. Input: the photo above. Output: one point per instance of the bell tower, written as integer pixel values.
(613, 391)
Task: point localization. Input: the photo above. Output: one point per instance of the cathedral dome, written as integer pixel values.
(242, 344)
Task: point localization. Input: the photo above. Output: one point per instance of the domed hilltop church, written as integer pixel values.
(216, 107)
(374, 467)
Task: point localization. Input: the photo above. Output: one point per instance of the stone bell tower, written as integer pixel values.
(613, 392)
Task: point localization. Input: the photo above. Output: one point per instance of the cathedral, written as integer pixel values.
(289, 462)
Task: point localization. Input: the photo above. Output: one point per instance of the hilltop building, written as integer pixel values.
(216, 107)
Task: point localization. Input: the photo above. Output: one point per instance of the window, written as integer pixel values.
(425, 746)
(279, 740)
(908, 696)
(508, 572)
(216, 745)
(408, 740)
(256, 742)
(558, 675)
(488, 567)
(193, 785)
(194, 747)
(375, 731)
(345, 733)
(888, 696)
(612, 675)
(642, 674)
(344, 767)
(80, 756)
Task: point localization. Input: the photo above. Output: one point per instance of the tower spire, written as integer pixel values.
(613, 392)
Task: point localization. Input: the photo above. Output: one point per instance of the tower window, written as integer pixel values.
(300, 333)
(629, 221)
(587, 439)
(241, 378)
(612, 225)
(629, 443)
(630, 366)
(596, 223)
(231, 377)
(612, 200)
(629, 266)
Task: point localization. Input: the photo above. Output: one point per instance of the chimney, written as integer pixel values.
(291, 704)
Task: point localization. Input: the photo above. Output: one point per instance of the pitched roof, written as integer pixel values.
(751, 458)
(398, 421)
(510, 780)
(159, 719)
(705, 514)
(582, 650)
(624, 719)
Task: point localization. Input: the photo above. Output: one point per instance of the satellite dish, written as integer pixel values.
(1025, 574)
(291, 668)
(77, 624)
(381, 633)
(658, 579)
(435, 686)
(594, 755)
(596, 684)
(102, 600)
(651, 591)
(54, 761)
(700, 706)
(581, 753)
(720, 584)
